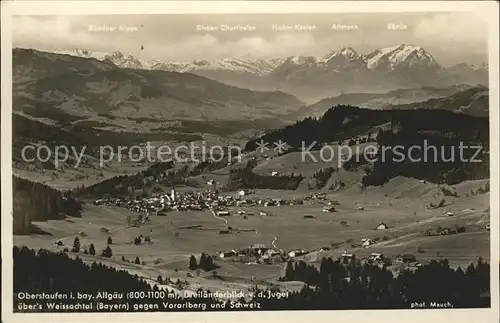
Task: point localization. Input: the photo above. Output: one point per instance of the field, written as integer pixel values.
(401, 204)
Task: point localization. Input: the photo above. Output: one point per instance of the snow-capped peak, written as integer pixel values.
(302, 59)
(402, 55)
(346, 52)
(385, 59)
(116, 57)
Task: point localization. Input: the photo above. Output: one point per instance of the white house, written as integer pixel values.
(223, 213)
(367, 243)
(273, 252)
(241, 193)
(382, 226)
(226, 254)
(360, 208)
(262, 213)
(329, 209)
(296, 253)
(376, 256)
(274, 173)
(449, 214)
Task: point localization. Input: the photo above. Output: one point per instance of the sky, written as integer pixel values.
(450, 37)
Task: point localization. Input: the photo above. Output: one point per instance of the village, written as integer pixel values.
(222, 206)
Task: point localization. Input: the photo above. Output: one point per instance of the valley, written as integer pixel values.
(272, 218)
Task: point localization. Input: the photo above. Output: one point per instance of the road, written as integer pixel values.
(273, 243)
(218, 217)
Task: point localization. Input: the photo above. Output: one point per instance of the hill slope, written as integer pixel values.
(88, 87)
(382, 100)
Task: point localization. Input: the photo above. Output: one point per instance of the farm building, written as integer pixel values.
(446, 231)
(273, 252)
(361, 208)
(275, 173)
(224, 232)
(296, 253)
(226, 254)
(262, 213)
(258, 247)
(382, 226)
(376, 256)
(241, 212)
(329, 209)
(406, 258)
(210, 182)
(347, 257)
(449, 214)
(366, 242)
(242, 193)
(309, 216)
(223, 213)
(265, 259)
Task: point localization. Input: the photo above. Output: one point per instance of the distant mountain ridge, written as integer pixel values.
(473, 101)
(314, 77)
(89, 87)
(395, 98)
(390, 58)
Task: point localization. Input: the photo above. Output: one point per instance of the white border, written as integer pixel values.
(490, 12)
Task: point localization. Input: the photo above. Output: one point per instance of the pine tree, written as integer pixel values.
(137, 261)
(92, 250)
(159, 279)
(210, 263)
(110, 241)
(76, 245)
(108, 253)
(192, 263)
(203, 261)
(289, 272)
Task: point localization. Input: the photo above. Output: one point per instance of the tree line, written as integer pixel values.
(335, 285)
(34, 201)
(206, 263)
(245, 178)
(351, 284)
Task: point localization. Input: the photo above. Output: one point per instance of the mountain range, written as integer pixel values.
(88, 87)
(312, 78)
(66, 88)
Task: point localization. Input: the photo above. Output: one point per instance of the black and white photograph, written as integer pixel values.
(251, 161)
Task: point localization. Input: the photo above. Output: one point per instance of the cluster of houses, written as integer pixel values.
(407, 259)
(260, 253)
(254, 254)
(374, 259)
(196, 201)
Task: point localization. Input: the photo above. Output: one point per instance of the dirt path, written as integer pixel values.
(218, 217)
(273, 243)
